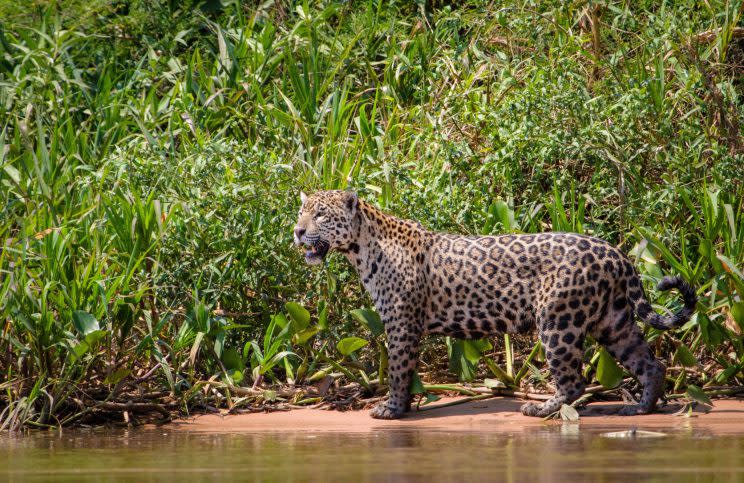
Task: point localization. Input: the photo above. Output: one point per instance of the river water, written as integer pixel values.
(562, 452)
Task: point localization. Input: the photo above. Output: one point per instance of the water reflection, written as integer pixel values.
(560, 452)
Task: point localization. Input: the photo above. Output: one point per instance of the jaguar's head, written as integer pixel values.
(326, 222)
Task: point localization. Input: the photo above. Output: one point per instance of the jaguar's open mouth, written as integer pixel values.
(316, 251)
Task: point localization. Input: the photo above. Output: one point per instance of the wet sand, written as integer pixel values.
(497, 414)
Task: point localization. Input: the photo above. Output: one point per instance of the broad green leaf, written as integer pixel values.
(299, 315)
(697, 394)
(219, 343)
(430, 398)
(235, 375)
(84, 322)
(370, 319)
(731, 268)
(726, 374)
(278, 320)
(684, 356)
(12, 173)
(609, 373)
(505, 215)
(416, 386)
(79, 350)
(323, 318)
(318, 375)
(231, 359)
(92, 338)
(474, 349)
(302, 337)
(459, 363)
(274, 360)
(350, 344)
(737, 312)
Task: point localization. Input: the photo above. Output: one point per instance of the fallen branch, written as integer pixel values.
(716, 392)
(149, 373)
(133, 407)
(464, 400)
(710, 35)
(512, 393)
(250, 392)
(449, 388)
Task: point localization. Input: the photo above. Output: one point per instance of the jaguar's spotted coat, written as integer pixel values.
(565, 285)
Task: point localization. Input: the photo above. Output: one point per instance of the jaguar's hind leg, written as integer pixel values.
(624, 341)
(564, 353)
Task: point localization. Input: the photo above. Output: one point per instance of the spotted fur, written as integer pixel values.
(565, 286)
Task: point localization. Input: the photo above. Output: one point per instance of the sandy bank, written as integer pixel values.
(498, 414)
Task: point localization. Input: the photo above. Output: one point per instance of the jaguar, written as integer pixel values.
(565, 286)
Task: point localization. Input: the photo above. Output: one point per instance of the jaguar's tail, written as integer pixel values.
(643, 308)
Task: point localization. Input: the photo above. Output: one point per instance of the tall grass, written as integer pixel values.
(151, 157)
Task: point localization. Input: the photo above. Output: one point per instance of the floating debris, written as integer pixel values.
(634, 433)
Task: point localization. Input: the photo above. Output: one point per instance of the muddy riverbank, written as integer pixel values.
(725, 417)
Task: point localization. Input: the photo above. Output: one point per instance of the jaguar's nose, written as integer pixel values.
(298, 232)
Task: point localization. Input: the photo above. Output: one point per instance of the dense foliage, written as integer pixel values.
(152, 153)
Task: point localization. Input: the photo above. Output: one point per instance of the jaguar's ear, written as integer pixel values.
(303, 197)
(352, 202)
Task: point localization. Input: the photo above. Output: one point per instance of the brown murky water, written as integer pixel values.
(565, 452)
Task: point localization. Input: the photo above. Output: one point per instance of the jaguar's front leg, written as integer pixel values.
(403, 346)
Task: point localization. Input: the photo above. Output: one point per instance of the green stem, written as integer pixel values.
(449, 387)
(383, 363)
(526, 364)
(499, 372)
(346, 372)
(509, 356)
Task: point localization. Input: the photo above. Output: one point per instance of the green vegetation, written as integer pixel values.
(152, 153)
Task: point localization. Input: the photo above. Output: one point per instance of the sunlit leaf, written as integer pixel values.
(350, 344)
(493, 384)
(737, 312)
(84, 322)
(609, 373)
(94, 337)
(568, 413)
(684, 356)
(474, 349)
(416, 386)
(79, 350)
(235, 375)
(370, 319)
(430, 398)
(697, 394)
(299, 315)
(323, 318)
(302, 337)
